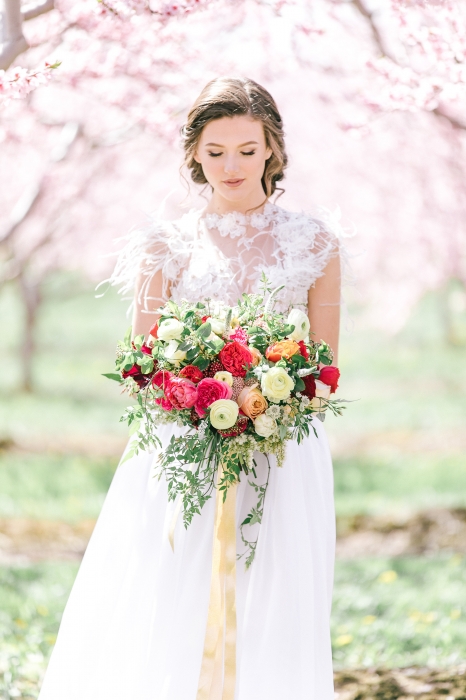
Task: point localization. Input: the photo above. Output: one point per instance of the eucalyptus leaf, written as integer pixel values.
(205, 330)
(299, 385)
(112, 375)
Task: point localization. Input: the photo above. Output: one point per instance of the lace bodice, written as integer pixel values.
(208, 255)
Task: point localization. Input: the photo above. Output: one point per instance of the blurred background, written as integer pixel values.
(372, 95)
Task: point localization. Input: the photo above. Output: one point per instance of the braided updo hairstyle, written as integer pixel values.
(231, 97)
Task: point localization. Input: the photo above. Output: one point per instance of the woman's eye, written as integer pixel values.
(215, 155)
(248, 153)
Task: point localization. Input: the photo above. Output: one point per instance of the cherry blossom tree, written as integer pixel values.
(377, 81)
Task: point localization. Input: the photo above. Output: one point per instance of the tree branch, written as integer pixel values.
(376, 35)
(32, 9)
(13, 41)
(454, 122)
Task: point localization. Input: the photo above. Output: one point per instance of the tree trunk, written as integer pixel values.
(31, 297)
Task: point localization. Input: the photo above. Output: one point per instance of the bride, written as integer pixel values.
(135, 623)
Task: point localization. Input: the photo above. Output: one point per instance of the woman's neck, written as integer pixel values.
(253, 203)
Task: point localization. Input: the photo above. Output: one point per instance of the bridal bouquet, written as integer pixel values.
(241, 379)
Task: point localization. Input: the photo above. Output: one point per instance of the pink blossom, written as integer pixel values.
(208, 391)
(182, 393)
(162, 379)
(240, 335)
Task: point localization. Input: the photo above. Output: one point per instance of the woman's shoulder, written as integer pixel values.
(310, 231)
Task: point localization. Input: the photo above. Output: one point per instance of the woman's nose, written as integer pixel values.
(231, 166)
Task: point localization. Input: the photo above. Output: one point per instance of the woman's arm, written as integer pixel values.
(144, 315)
(324, 306)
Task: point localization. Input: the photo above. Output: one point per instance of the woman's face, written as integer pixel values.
(233, 152)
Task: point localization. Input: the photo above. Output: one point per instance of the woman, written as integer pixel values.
(135, 623)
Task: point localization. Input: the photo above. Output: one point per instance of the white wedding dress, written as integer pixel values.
(134, 625)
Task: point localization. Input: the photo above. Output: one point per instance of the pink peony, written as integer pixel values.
(208, 391)
(182, 393)
(161, 379)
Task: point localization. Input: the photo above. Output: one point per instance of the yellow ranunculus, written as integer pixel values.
(223, 413)
(224, 376)
(276, 384)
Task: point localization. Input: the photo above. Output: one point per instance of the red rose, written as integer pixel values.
(208, 391)
(205, 318)
(161, 379)
(310, 386)
(192, 373)
(154, 329)
(330, 376)
(135, 372)
(303, 349)
(233, 356)
(146, 349)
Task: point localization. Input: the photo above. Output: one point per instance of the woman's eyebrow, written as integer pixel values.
(248, 143)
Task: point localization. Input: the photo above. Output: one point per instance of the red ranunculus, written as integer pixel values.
(146, 349)
(233, 356)
(192, 373)
(208, 391)
(205, 318)
(181, 393)
(330, 376)
(303, 349)
(310, 386)
(161, 379)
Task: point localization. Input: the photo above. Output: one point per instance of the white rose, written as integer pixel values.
(322, 391)
(170, 329)
(217, 325)
(224, 376)
(223, 413)
(172, 354)
(276, 384)
(300, 321)
(265, 425)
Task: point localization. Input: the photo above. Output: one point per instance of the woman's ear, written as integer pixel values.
(268, 153)
(196, 157)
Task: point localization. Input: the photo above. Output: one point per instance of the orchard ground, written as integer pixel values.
(399, 618)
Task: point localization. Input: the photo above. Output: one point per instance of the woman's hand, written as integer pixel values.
(324, 300)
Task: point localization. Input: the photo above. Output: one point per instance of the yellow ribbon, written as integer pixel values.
(218, 669)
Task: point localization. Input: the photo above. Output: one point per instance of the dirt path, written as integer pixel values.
(401, 684)
(24, 540)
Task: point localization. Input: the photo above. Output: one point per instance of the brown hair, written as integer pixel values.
(231, 97)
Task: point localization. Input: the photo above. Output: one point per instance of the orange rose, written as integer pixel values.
(256, 356)
(285, 349)
(251, 401)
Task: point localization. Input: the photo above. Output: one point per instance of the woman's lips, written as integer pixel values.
(233, 183)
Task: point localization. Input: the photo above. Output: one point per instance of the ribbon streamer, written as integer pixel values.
(217, 678)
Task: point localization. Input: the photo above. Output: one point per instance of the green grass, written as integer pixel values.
(386, 612)
(399, 612)
(398, 483)
(53, 486)
(32, 599)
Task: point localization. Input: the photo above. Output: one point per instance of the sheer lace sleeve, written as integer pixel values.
(157, 246)
(306, 244)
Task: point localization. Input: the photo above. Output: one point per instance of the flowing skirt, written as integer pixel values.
(135, 621)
